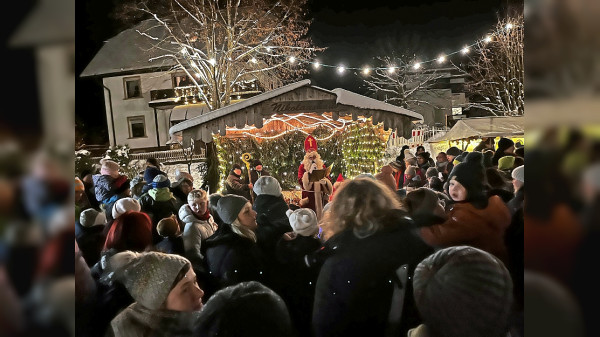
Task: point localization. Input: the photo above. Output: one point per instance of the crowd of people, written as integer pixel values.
(420, 249)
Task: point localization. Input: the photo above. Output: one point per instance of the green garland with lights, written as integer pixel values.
(357, 149)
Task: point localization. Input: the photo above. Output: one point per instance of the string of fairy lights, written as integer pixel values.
(366, 70)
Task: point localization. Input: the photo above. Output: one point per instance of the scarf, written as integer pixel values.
(203, 217)
(160, 194)
(137, 320)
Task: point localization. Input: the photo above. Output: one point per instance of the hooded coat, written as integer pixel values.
(234, 185)
(354, 288)
(138, 321)
(158, 203)
(195, 232)
(103, 187)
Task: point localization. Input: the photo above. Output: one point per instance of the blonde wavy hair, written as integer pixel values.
(361, 204)
(242, 230)
(307, 161)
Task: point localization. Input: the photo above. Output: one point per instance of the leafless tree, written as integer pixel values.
(496, 69)
(399, 83)
(227, 46)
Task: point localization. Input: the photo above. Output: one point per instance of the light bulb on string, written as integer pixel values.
(441, 59)
(465, 50)
(292, 59)
(391, 70)
(488, 39)
(417, 65)
(509, 26)
(340, 69)
(317, 65)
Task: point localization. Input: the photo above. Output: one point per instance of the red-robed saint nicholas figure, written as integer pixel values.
(314, 194)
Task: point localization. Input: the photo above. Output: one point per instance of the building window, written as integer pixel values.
(181, 80)
(133, 87)
(137, 126)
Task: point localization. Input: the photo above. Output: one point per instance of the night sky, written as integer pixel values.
(353, 32)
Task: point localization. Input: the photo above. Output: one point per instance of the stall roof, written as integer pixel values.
(483, 127)
(299, 97)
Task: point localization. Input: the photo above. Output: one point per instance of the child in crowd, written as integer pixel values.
(106, 182)
(172, 242)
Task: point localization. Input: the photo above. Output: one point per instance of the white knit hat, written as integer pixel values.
(125, 204)
(91, 217)
(519, 173)
(303, 221)
(408, 154)
(267, 185)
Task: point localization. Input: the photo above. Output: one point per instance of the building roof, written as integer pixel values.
(483, 127)
(50, 22)
(295, 98)
(130, 50)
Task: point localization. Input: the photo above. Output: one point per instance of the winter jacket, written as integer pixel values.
(103, 186)
(296, 281)
(180, 197)
(158, 203)
(195, 232)
(355, 284)
(272, 221)
(90, 241)
(232, 259)
(467, 225)
(171, 246)
(234, 185)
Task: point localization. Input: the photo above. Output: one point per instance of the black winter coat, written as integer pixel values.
(171, 246)
(232, 259)
(90, 242)
(157, 210)
(296, 281)
(354, 288)
(272, 221)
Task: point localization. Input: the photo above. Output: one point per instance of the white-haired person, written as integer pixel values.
(372, 238)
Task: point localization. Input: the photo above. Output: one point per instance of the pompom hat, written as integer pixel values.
(303, 221)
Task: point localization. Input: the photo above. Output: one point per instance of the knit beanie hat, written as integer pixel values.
(504, 143)
(168, 227)
(267, 185)
(458, 283)
(121, 184)
(395, 164)
(453, 151)
(256, 162)
(125, 204)
(180, 177)
(148, 277)
(246, 309)
(519, 173)
(160, 181)
(229, 206)
(431, 172)
(109, 167)
(506, 163)
(303, 221)
(461, 157)
(130, 231)
(408, 154)
(471, 175)
(79, 187)
(91, 217)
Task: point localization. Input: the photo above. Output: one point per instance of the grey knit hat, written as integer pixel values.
(160, 181)
(229, 206)
(519, 173)
(458, 283)
(303, 221)
(431, 172)
(148, 277)
(91, 217)
(267, 185)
